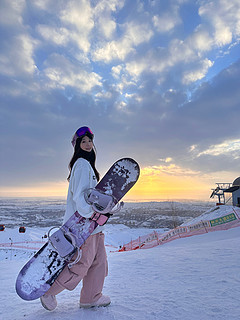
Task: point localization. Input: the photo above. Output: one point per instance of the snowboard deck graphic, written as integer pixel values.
(39, 273)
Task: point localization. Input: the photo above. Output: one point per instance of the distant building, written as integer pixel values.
(228, 193)
(235, 191)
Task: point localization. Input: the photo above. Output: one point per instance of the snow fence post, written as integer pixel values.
(156, 234)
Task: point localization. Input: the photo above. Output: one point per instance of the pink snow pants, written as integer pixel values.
(92, 268)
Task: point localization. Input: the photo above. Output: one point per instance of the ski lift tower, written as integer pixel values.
(219, 191)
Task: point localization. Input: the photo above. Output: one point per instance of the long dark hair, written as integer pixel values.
(80, 153)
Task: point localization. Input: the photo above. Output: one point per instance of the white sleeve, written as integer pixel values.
(80, 183)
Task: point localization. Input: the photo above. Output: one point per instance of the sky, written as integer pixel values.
(157, 81)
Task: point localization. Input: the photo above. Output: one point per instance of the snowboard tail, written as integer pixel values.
(40, 272)
(45, 258)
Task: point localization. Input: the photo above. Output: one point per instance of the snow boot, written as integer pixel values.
(49, 302)
(103, 301)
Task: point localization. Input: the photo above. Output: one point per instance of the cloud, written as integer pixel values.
(199, 73)
(167, 21)
(78, 16)
(10, 13)
(61, 73)
(223, 17)
(60, 36)
(17, 46)
(42, 4)
(70, 27)
(168, 159)
(171, 169)
(168, 122)
(228, 147)
(104, 22)
(219, 25)
(19, 60)
(133, 35)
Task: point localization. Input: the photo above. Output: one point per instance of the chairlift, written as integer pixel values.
(22, 229)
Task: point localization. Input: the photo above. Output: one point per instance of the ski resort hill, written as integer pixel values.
(192, 278)
(221, 217)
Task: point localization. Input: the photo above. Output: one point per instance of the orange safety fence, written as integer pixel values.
(229, 220)
(23, 245)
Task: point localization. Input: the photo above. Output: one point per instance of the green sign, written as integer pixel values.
(228, 218)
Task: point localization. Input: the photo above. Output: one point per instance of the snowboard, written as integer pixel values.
(40, 272)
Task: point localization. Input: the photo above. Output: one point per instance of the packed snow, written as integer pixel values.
(195, 278)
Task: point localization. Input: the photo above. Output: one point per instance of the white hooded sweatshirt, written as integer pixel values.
(82, 178)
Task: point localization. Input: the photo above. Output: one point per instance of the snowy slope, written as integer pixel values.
(195, 278)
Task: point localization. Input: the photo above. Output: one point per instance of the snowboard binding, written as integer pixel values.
(101, 202)
(65, 244)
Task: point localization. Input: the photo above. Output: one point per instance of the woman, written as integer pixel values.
(92, 267)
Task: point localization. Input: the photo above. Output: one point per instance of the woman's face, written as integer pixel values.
(86, 144)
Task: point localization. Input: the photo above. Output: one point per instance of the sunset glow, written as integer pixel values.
(155, 184)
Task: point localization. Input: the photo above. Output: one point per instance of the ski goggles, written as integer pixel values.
(79, 133)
